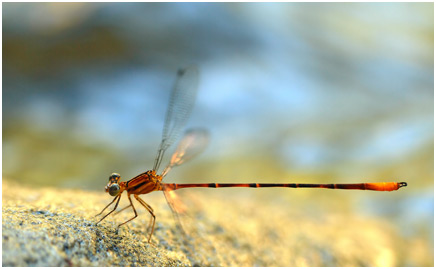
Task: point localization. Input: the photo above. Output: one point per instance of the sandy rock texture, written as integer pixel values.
(57, 227)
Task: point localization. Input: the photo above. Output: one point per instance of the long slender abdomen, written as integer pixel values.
(381, 186)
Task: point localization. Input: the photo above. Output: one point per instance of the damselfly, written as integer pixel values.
(194, 141)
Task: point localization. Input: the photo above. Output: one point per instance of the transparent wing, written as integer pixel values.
(182, 100)
(185, 223)
(193, 143)
(176, 205)
(192, 231)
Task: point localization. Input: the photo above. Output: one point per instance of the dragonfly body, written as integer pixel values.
(193, 142)
(144, 183)
(381, 186)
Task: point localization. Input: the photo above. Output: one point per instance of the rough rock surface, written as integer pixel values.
(57, 227)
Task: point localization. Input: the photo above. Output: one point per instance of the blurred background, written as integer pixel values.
(290, 92)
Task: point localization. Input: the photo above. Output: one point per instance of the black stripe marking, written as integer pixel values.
(138, 186)
(140, 175)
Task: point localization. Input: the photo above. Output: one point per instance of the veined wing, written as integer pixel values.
(193, 143)
(181, 102)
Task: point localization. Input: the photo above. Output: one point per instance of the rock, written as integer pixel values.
(57, 227)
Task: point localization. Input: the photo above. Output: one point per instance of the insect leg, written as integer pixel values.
(150, 210)
(134, 210)
(122, 209)
(115, 207)
(107, 206)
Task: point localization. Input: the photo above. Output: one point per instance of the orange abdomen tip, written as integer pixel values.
(385, 186)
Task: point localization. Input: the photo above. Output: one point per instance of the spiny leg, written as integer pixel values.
(115, 207)
(150, 210)
(134, 210)
(122, 209)
(149, 223)
(107, 206)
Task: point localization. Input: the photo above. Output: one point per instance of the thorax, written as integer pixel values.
(144, 183)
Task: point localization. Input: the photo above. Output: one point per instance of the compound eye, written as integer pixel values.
(115, 176)
(114, 189)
